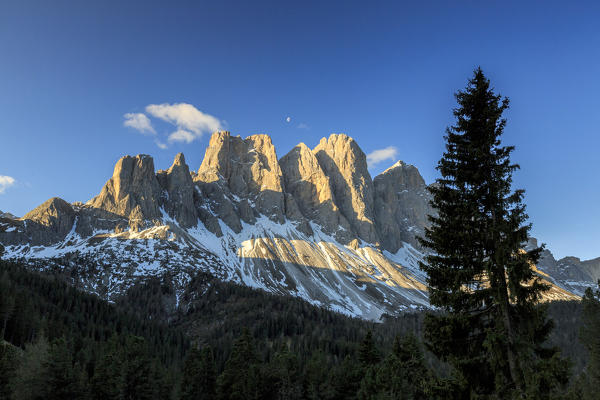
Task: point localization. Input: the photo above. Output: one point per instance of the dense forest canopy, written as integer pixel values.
(285, 347)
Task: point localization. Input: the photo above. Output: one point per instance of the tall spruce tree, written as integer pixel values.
(9, 358)
(199, 375)
(136, 372)
(63, 379)
(491, 328)
(30, 380)
(402, 375)
(283, 376)
(590, 337)
(241, 379)
(106, 382)
(318, 378)
(367, 352)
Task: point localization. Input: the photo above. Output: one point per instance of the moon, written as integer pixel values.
(288, 119)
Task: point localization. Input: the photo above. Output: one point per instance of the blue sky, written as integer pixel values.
(381, 72)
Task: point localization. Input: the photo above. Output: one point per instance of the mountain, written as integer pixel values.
(312, 224)
(7, 215)
(571, 273)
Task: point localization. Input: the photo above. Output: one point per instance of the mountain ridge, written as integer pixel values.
(313, 223)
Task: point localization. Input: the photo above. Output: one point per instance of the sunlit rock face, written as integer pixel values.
(244, 173)
(312, 224)
(346, 166)
(50, 221)
(56, 214)
(311, 189)
(132, 192)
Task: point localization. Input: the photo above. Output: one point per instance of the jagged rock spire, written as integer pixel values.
(178, 184)
(133, 190)
(345, 164)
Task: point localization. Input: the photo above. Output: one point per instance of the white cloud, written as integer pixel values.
(6, 182)
(139, 122)
(181, 135)
(302, 125)
(191, 123)
(377, 156)
(161, 145)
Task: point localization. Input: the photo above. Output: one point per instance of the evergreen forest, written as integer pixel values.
(231, 343)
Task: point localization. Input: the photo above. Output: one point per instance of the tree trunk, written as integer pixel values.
(513, 364)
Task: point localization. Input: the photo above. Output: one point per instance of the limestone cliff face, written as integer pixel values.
(401, 206)
(244, 173)
(132, 192)
(179, 188)
(55, 214)
(311, 189)
(346, 166)
(327, 225)
(54, 219)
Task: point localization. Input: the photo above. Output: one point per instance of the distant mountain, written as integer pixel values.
(7, 215)
(570, 273)
(313, 224)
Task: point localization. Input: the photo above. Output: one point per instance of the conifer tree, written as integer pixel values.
(241, 378)
(411, 378)
(590, 336)
(7, 302)
(284, 376)
(370, 388)
(8, 367)
(318, 376)
(136, 372)
(63, 380)
(346, 379)
(403, 374)
(368, 358)
(367, 353)
(164, 380)
(106, 382)
(199, 375)
(29, 382)
(491, 328)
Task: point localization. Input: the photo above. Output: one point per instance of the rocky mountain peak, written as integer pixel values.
(328, 224)
(179, 160)
(311, 189)
(215, 157)
(405, 175)
(397, 164)
(49, 212)
(179, 164)
(179, 187)
(7, 215)
(133, 186)
(401, 205)
(55, 218)
(246, 169)
(345, 164)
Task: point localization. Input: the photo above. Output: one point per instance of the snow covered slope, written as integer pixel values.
(312, 224)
